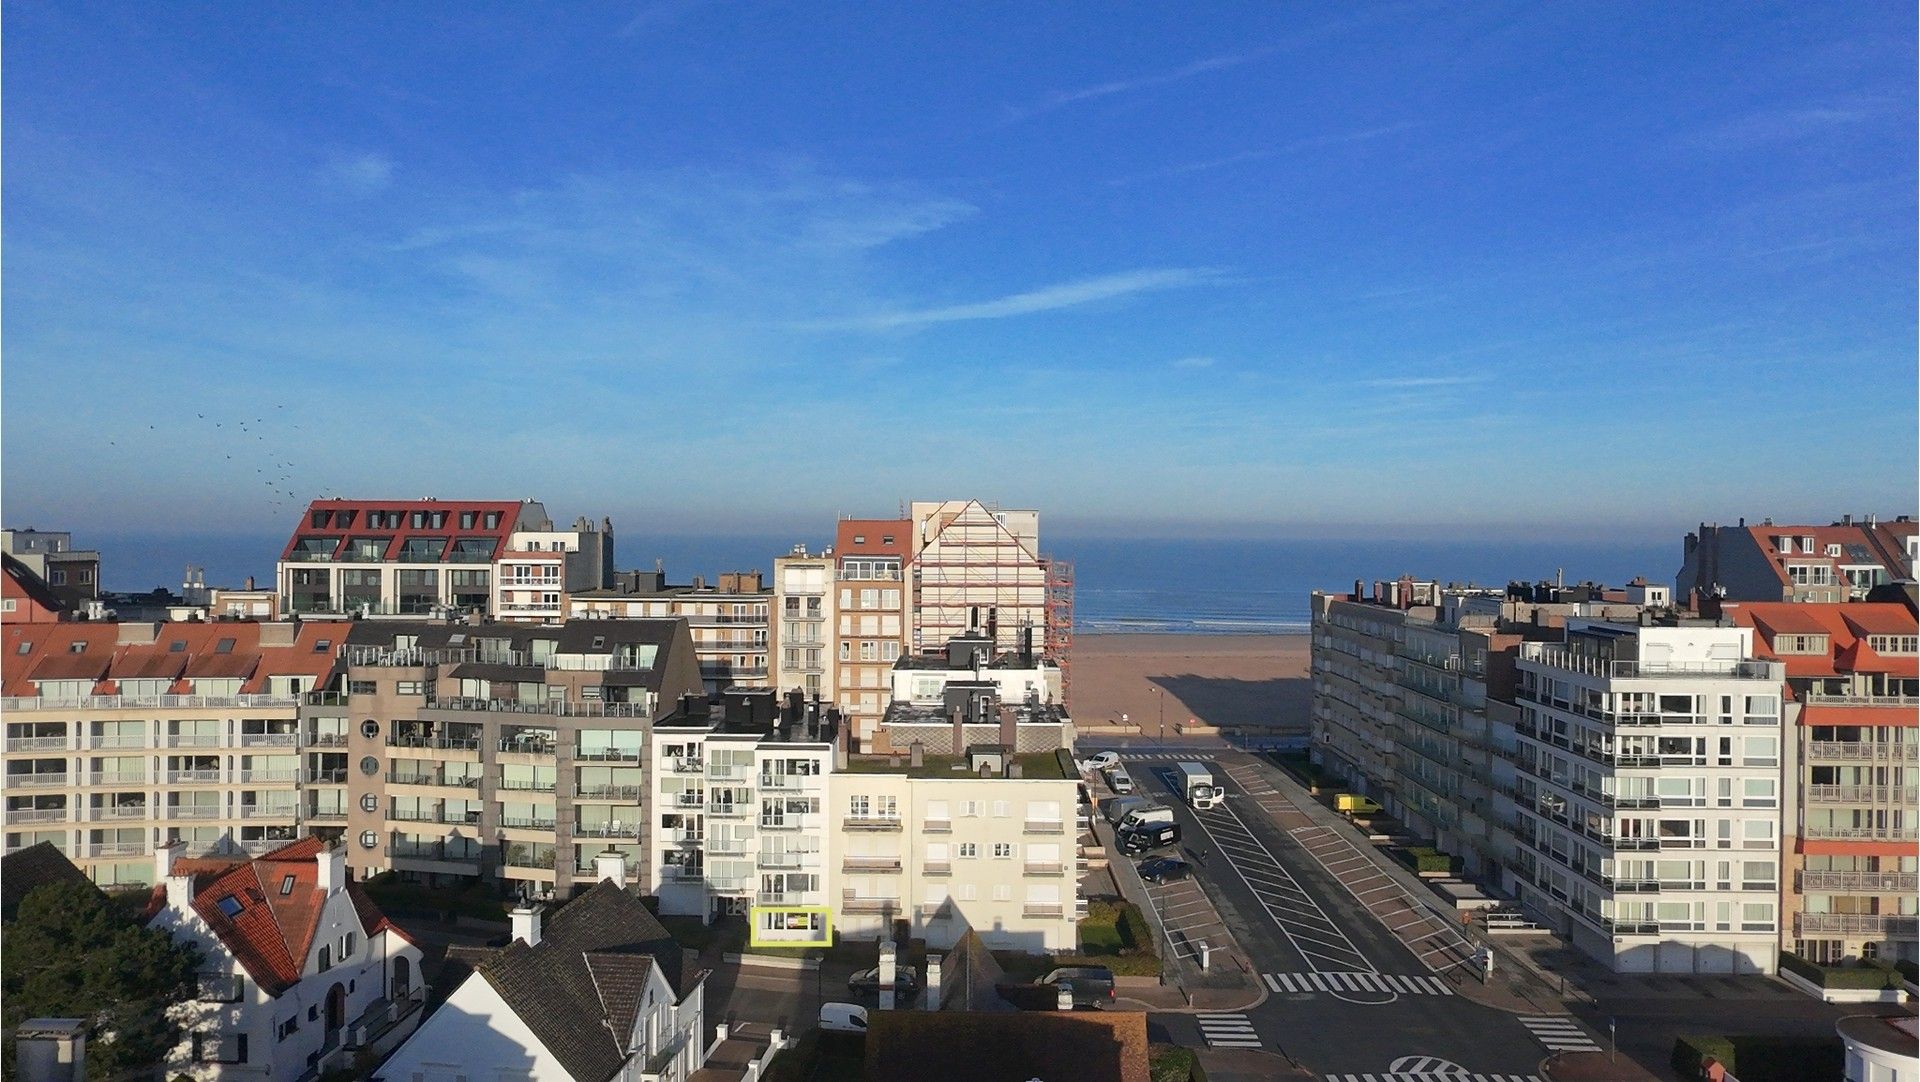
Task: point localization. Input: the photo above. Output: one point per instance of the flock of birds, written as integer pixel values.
(279, 488)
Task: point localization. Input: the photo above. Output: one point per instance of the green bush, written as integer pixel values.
(1171, 1063)
(1112, 928)
(1762, 1057)
(1908, 970)
(1425, 858)
(1133, 927)
(1864, 977)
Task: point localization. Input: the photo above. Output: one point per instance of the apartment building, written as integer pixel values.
(120, 737)
(1818, 564)
(505, 752)
(1649, 794)
(873, 621)
(25, 598)
(300, 971)
(976, 566)
(803, 624)
(972, 693)
(433, 557)
(73, 575)
(728, 618)
(1852, 763)
(739, 810)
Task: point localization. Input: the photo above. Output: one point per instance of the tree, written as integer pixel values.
(70, 953)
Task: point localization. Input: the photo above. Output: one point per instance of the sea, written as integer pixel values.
(1161, 586)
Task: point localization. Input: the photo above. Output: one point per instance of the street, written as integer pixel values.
(1345, 996)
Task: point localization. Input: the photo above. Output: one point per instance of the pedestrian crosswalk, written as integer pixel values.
(1228, 1031)
(1454, 1075)
(1560, 1033)
(1168, 756)
(1357, 982)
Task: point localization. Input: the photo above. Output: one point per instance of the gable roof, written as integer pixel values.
(921, 1046)
(253, 653)
(31, 585)
(35, 866)
(578, 990)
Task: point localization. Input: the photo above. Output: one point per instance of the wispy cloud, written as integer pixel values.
(1061, 98)
(655, 13)
(1208, 165)
(1046, 299)
(1194, 362)
(1417, 382)
(358, 174)
(1775, 126)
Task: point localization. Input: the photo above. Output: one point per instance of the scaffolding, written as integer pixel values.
(1060, 622)
(974, 574)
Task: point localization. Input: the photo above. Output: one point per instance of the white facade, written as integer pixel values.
(802, 614)
(352, 986)
(1649, 795)
(927, 686)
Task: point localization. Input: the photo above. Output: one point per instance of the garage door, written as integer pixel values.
(1675, 958)
(1715, 959)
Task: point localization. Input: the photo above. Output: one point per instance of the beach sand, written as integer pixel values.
(1221, 680)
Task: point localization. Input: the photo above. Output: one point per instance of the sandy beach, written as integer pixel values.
(1221, 680)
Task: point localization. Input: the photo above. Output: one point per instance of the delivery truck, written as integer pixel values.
(1197, 785)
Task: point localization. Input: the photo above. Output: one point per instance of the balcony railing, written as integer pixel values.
(609, 792)
(327, 813)
(854, 903)
(36, 743)
(1860, 882)
(195, 811)
(98, 742)
(871, 864)
(1862, 749)
(731, 811)
(1042, 868)
(1038, 910)
(37, 781)
(607, 829)
(326, 740)
(443, 743)
(269, 811)
(124, 777)
(939, 868)
(1856, 924)
(608, 755)
(936, 826)
(556, 707)
(1559, 658)
(542, 861)
(870, 823)
(194, 740)
(192, 777)
(268, 740)
(252, 776)
(1889, 834)
(1044, 826)
(119, 811)
(116, 849)
(36, 815)
(685, 766)
(133, 702)
(1822, 698)
(785, 860)
(1862, 794)
(521, 822)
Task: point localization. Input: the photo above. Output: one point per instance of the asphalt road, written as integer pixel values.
(1346, 997)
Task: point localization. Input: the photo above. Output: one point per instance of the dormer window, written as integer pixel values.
(76, 648)
(1833, 550)
(466, 520)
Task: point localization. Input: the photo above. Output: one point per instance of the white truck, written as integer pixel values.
(1197, 785)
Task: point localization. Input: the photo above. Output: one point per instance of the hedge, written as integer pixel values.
(1426, 858)
(1172, 1063)
(1863, 977)
(1115, 935)
(1907, 969)
(1762, 1057)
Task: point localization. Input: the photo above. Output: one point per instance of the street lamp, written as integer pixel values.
(1162, 692)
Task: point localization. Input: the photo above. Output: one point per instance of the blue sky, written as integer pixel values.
(1574, 269)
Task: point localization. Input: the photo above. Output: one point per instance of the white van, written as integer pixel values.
(843, 1018)
(1118, 780)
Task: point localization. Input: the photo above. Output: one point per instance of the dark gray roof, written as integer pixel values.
(35, 866)
(579, 989)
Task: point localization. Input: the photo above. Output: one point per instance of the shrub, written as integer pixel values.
(1762, 1057)
(1907, 969)
(1864, 977)
(1691, 1049)
(1171, 1063)
(1425, 858)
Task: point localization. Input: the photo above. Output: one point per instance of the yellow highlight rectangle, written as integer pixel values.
(815, 922)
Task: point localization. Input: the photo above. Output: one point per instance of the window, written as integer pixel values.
(1799, 644)
(1003, 850)
(1002, 893)
(321, 646)
(76, 648)
(56, 577)
(1893, 644)
(969, 850)
(1002, 809)
(858, 807)
(966, 892)
(369, 802)
(177, 646)
(346, 946)
(287, 1028)
(369, 766)
(326, 957)
(970, 809)
(230, 906)
(224, 646)
(25, 648)
(369, 840)
(286, 886)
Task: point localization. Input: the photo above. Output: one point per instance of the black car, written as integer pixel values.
(1164, 870)
(867, 982)
(1136, 840)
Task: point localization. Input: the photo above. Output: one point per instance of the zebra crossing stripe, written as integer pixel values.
(1228, 1031)
(1433, 1076)
(1560, 1034)
(1358, 981)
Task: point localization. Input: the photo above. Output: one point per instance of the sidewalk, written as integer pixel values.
(1412, 911)
(1227, 984)
(1594, 1067)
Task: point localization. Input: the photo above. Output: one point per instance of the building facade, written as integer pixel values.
(873, 621)
(803, 625)
(728, 619)
(1649, 795)
(73, 575)
(1851, 876)
(431, 557)
(1818, 564)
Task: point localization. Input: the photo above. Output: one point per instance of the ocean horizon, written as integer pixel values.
(1141, 586)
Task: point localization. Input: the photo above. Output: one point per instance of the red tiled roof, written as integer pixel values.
(1786, 619)
(87, 666)
(143, 665)
(1880, 619)
(218, 666)
(1862, 658)
(509, 511)
(872, 531)
(48, 647)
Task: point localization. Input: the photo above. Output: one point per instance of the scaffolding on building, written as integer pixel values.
(1060, 622)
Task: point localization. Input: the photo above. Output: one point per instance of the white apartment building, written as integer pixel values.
(803, 624)
(1650, 794)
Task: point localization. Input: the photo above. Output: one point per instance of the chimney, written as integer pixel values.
(525, 919)
(249, 582)
(1009, 728)
(933, 982)
(1846, 520)
(330, 869)
(959, 730)
(916, 754)
(611, 864)
(179, 884)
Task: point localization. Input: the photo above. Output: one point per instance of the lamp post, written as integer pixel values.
(1162, 693)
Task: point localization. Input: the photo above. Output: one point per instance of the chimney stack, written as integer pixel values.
(179, 884)
(611, 865)
(330, 869)
(959, 730)
(525, 919)
(888, 971)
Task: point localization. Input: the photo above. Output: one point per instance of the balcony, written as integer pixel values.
(1630, 927)
(1883, 834)
(870, 864)
(1044, 826)
(1871, 925)
(607, 829)
(607, 755)
(194, 811)
(788, 860)
(1855, 750)
(521, 822)
(521, 785)
(470, 781)
(937, 869)
(1860, 882)
(36, 815)
(731, 811)
(1558, 658)
(117, 849)
(133, 777)
(865, 823)
(37, 781)
(680, 765)
(559, 708)
(143, 702)
(442, 743)
(1041, 911)
(326, 814)
(326, 740)
(936, 826)
(853, 903)
(1042, 868)
(788, 781)
(268, 740)
(530, 861)
(281, 776)
(37, 743)
(609, 792)
(1863, 794)
(193, 740)
(269, 811)
(98, 742)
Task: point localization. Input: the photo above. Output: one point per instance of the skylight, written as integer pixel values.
(230, 906)
(286, 886)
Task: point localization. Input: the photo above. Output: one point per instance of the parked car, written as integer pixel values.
(843, 1018)
(1092, 985)
(867, 982)
(1119, 780)
(1116, 808)
(1136, 840)
(1099, 760)
(1164, 870)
